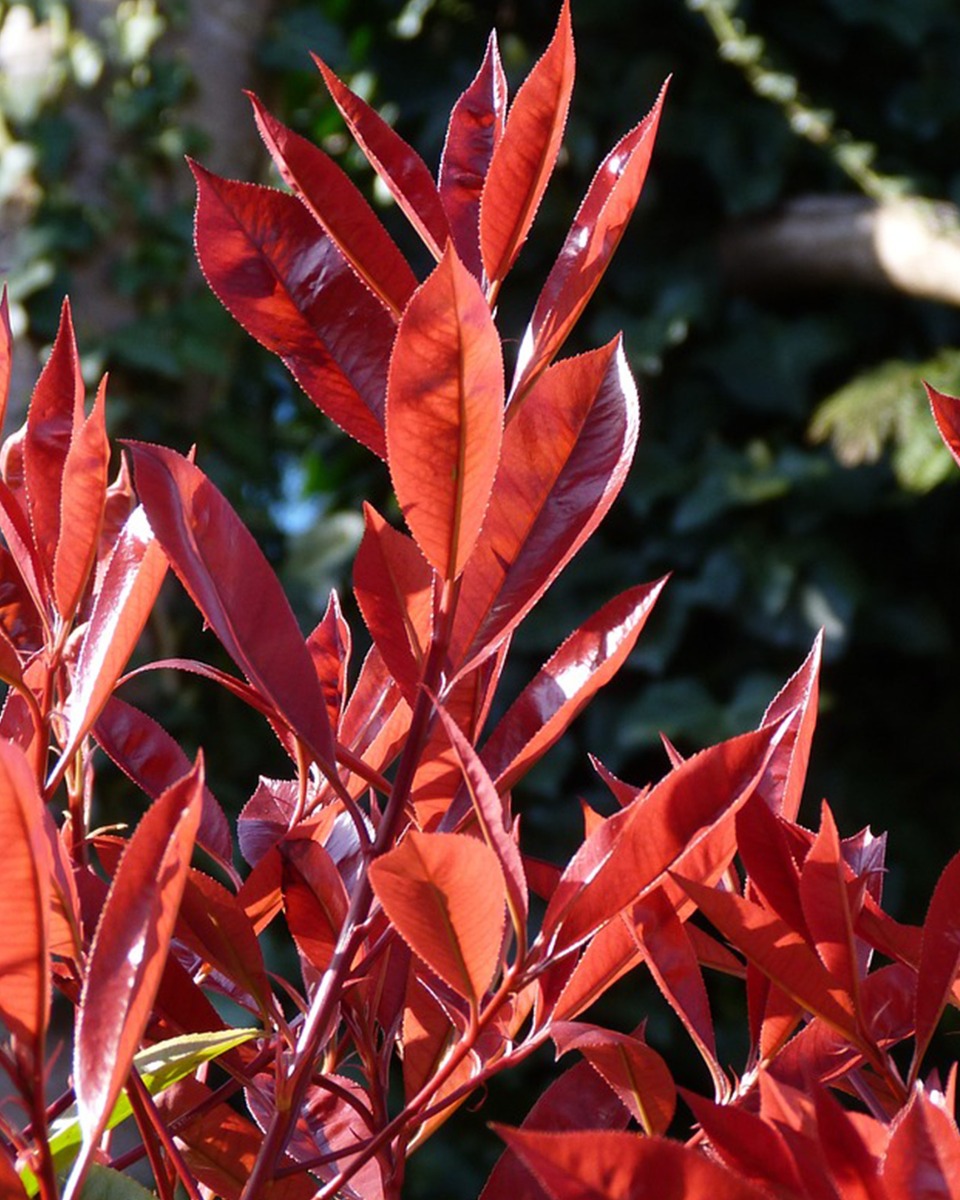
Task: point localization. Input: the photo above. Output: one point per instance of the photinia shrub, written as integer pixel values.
(435, 948)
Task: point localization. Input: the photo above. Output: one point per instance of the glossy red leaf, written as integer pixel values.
(782, 786)
(634, 1070)
(83, 496)
(771, 868)
(939, 956)
(586, 661)
(475, 129)
(605, 1165)
(566, 453)
(445, 414)
(56, 410)
(446, 896)
(923, 1155)
(129, 951)
(212, 922)
(6, 355)
(593, 239)
(330, 644)
(525, 156)
(23, 556)
(339, 206)
(120, 610)
(402, 170)
(749, 1145)
(314, 899)
(27, 868)
(225, 571)
(148, 755)
(782, 955)
(287, 284)
(394, 584)
(636, 847)
(829, 895)
(578, 1100)
(491, 813)
(946, 413)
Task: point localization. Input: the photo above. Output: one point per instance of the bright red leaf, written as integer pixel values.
(939, 956)
(445, 414)
(946, 413)
(923, 1155)
(782, 785)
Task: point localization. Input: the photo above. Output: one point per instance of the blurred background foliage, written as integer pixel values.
(788, 476)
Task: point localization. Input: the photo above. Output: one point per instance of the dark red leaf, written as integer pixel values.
(566, 453)
(330, 644)
(11, 1185)
(592, 241)
(946, 413)
(586, 661)
(923, 1155)
(525, 156)
(399, 166)
(83, 496)
(394, 586)
(634, 1070)
(55, 412)
(604, 1165)
(15, 527)
(445, 414)
(129, 951)
(475, 128)
(340, 208)
(939, 956)
(854, 1168)
(635, 848)
(445, 893)
(314, 899)
(288, 285)
(144, 751)
(120, 610)
(231, 582)
(27, 869)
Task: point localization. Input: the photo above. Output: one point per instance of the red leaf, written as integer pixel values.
(445, 414)
(490, 812)
(592, 241)
(11, 1185)
(578, 1100)
(120, 610)
(399, 166)
(129, 951)
(27, 867)
(83, 496)
(566, 453)
(604, 1165)
(854, 1168)
(55, 412)
(330, 644)
(829, 897)
(445, 893)
(782, 955)
(782, 786)
(15, 527)
(923, 1155)
(939, 957)
(393, 585)
(634, 1070)
(148, 755)
(586, 661)
(289, 287)
(636, 847)
(525, 156)
(339, 206)
(224, 570)
(946, 413)
(314, 899)
(747, 1144)
(475, 128)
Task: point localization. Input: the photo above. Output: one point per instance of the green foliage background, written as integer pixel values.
(788, 474)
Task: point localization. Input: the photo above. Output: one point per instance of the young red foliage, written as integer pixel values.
(391, 858)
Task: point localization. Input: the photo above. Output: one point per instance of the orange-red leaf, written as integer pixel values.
(129, 951)
(446, 896)
(592, 241)
(27, 867)
(525, 156)
(445, 414)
